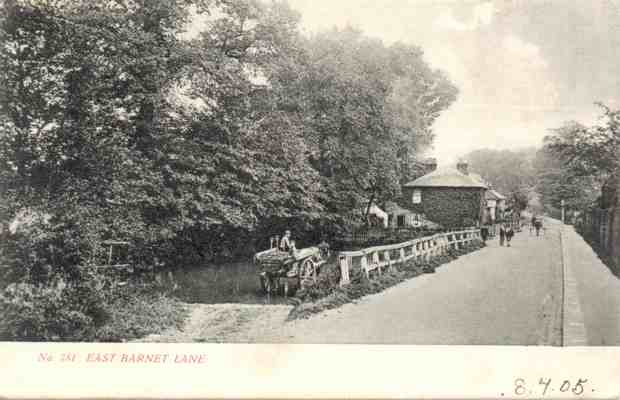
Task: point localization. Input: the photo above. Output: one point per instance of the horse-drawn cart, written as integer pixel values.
(282, 271)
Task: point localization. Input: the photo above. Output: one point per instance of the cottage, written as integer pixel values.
(447, 196)
(378, 215)
(400, 217)
(495, 206)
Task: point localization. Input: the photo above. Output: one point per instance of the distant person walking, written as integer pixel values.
(509, 234)
(502, 234)
(484, 232)
(538, 226)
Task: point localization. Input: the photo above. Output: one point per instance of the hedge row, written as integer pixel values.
(326, 293)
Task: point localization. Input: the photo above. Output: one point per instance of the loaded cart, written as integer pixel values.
(282, 271)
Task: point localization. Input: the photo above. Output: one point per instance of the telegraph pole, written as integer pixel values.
(562, 205)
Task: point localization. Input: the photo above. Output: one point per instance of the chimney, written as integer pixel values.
(462, 166)
(430, 164)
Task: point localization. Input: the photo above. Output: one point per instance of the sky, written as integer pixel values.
(522, 66)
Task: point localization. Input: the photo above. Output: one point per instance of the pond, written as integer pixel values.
(235, 282)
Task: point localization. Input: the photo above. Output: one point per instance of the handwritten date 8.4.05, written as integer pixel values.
(548, 386)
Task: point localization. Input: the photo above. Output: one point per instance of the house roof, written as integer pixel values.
(488, 195)
(478, 177)
(497, 194)
(492, 194)
(393, 208)
(375, 210)
(446, 178)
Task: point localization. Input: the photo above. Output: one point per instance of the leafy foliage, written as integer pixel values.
(117, 122)
(366, 112)
(577, 163)
(53, 312)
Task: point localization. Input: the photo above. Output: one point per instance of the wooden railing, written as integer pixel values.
(380, 258)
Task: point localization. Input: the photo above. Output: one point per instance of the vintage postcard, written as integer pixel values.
(310, 199)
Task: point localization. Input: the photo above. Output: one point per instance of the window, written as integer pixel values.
(417, 196)
(400, 221)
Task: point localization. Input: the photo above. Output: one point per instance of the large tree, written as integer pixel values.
(99, 122)
(366, 110)
(578, 161)
(119, 124)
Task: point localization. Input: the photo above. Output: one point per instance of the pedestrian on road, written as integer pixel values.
(538, 226)
(502, 234)
(484, 232)
(509, 234)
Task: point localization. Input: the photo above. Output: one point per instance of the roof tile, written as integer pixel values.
(446, 178)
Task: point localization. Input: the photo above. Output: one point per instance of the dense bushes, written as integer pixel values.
(327, 294)
(51, 289)
(93, 310)
(52, 312)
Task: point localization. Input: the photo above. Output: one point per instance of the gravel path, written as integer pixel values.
(494, 296)
(231, 323)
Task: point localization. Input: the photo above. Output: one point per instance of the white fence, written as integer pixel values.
(379, 258)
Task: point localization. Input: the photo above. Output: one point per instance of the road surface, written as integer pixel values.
(494, 296)
(546, 290)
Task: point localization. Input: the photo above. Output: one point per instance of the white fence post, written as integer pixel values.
(345, 263)
(421, 249)
(364, 266)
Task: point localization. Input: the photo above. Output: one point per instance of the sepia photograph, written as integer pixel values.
(351, 172)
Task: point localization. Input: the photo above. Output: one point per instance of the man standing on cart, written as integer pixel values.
(285, 242)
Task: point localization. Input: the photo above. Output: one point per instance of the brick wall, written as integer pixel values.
(447, 206)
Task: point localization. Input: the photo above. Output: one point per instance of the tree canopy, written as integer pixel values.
(120, 123)
(511, 172)
(578, 161)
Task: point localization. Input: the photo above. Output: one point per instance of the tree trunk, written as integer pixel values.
(367, 213)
